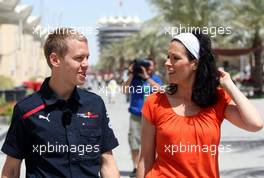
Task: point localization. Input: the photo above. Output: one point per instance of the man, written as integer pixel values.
(58, 130)
(141, 82)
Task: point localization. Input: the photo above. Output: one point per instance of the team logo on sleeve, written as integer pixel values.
(88, 115)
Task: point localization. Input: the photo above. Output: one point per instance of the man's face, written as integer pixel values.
(74, 65)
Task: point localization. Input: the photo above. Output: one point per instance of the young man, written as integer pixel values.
(139, 84)
(58, 130)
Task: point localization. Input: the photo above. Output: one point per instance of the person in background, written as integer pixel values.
(141, 82)
(112, 88)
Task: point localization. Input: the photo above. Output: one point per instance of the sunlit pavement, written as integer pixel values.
(245, 160)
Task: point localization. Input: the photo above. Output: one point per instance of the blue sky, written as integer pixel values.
(85, 13)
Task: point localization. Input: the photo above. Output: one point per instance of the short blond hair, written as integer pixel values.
(56, 42)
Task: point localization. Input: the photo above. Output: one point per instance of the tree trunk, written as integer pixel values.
(121, 67)
(257, 68)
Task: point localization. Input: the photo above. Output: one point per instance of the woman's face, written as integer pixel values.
(179, 68)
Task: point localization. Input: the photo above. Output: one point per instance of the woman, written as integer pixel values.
(182, 126)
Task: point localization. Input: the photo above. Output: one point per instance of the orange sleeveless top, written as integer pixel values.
(186, 146)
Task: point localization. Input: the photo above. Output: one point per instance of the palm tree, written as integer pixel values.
(115, 56)
(248, 15)
(196, 13)
(188, 14)
(245, 16)
(148, 42)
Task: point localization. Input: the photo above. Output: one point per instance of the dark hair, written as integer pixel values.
(204, 92)
(151, 58)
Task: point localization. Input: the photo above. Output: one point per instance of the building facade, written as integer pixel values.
(112, 29)
(21, 51)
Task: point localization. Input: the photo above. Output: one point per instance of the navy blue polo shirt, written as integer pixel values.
(59, 138)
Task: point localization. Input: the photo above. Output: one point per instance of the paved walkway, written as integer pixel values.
(245, 160)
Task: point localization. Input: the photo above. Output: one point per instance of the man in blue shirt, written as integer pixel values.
(140, 84)
(58, 130)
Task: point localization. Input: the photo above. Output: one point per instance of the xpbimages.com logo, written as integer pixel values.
(49, 29)
(212, 31)
(180, 148)
(58, 148)
(146, 90)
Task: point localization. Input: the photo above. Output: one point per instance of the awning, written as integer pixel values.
(235, 52)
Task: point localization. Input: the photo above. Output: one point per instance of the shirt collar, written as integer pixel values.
(50, 97)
